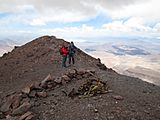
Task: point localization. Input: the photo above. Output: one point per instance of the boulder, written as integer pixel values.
(24, 100)
(102, 66)
(25, 115)
(72, 73)
(47, 79)
(22, 109)
(35, 85)
(58, 80)
(49, 86)
(65, 78)
(43, 84)
(91, 71)
(6, 106)
(8, 117)
(31, 117)
(81, 72)
(41, 94)
(16, 102)
(32, 94)
(26, 90)
(117, 97)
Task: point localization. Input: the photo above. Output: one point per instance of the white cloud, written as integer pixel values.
(148, 10)
(80, 10)
(129, 17)
(133, 27)
(36, 22)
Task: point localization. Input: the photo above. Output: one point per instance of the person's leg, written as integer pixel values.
(69, 59)
(64, 61)
(73, 61)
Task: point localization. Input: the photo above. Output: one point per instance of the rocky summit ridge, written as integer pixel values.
(34, 86)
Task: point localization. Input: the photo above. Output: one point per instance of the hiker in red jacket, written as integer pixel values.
(64, 52)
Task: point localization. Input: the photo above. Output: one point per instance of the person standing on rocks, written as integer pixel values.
(71, 52)
(64, 52)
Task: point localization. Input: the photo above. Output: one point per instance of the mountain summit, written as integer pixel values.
(33, 85)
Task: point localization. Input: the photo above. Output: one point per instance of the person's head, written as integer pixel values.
(71, 42)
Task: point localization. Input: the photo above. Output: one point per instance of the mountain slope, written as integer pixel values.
(33, 61)
(127, 97)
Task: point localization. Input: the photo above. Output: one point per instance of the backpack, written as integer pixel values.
(72, 49)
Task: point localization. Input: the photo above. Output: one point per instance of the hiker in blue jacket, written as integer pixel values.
(71, 53)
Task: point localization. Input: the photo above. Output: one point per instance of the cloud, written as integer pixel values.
(133, 27)
(52, 10)
(82, 10)
(148, 10)
(128, 18)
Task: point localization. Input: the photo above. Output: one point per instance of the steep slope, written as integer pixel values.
(34, 60)
(127, 98)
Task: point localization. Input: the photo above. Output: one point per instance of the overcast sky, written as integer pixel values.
(80, 19)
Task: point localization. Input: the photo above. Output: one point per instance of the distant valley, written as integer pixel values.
(137, 58)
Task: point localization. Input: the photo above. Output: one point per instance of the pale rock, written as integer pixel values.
(26, 90)
(8, 117)
(72, 73)
(65, 77)
(58, 80)
(47, 79)
(42, 94)
(118, 97)
(43, 83)
(22, 109)
(49, 86)
(25, 115)
(35, 85)
(81, 72)
(31, 117)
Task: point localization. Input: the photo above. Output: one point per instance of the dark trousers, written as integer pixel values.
(71, 58)
(64, 59)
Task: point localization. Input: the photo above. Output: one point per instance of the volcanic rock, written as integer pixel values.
(58, 80)
(6, 106)
(22, 109)
(26, 90)
(31, 63)
(65, 78)
(118, 97)
(25, 115)
(31, 117)
(32, 94)
(41, 94)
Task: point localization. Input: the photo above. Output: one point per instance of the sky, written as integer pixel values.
(80, 20)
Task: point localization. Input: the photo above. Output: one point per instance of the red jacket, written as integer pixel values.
(64, 51)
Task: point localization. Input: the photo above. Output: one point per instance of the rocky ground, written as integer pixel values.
(34, 86)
